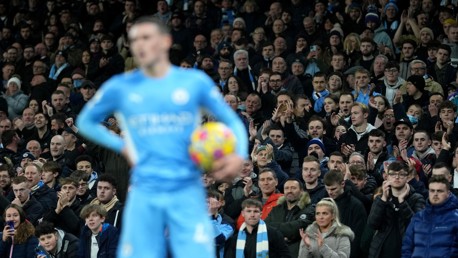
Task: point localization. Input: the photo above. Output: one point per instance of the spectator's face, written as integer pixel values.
(414, 111)
(32, 174)
(283, 100)
(82, 188)
(200, 42)
(6, 33)
(58, 101)
(334, 40)
(57, 146)
(354, 14)
(5, 124)
(236, 35)
(421, 141)
(59, 60)
(275, 82)
(317, 149)
(25, 33)
(278, 26)
(436, 100)
(388, 119)
(263, 158)
(366, 48)
(453, 34)
(199, 8)
(105, 192)
(407, 50)
(427, 5)
(376, 144)
(106, 45)
(252, 215)
(27, 116)
(379, 65)
(38, 68)
(268, 51)
(392, 74)
(425, 37)
(275, 10)
(438, 193)
(362, 79)
(310, 172)
(280, 44)
(447, 114)
(292, 191)
(40, 121)
(129, 6)
(94, 221)
(224, 70)
(86, 57)
(403, 132)
(359, 182)
(267, 183)
(324, 216)
(49, 39)
(48, 176)
(21, 191)
(241, 61)
(397, 179)
(422, 20)
(338, 62)
(5, 179)
(253, 104)
(297, 69)
(87, 92)
(34, 147)
(390, 13)
(231, 100)
(48, 242)
(309, 26)
(335, 162)
(69, 190)
(279, 65)
(65, 18)
(277, 137)
(335, 190)
(33, 104)
(94, 47)
(340, 130)
(207, 64)
(233, 85)
(442, 56)
(247, 168)
(84, 165)
(358, 117)
(316, 129)
(319, 83)
(12, 55)
(29, 53)
(345, 103)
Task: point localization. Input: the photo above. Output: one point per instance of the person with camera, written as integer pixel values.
(391, 212)
(18, 240)
(54, 242)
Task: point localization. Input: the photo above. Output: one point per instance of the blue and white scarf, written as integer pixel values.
(54, 73)
(262, 241)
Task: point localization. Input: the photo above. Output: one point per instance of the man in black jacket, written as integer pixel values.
(44, 195)
(33, 209)
(246, 241)
(391, 213)
(293, 212)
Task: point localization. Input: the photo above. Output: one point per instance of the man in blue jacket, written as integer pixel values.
(432, 231)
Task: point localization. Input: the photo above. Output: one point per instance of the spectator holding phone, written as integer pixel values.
(18, 240)
(55, 242)
(391, 213)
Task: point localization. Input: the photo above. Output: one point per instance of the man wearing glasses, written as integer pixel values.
(391, 213)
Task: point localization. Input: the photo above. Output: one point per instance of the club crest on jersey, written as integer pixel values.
(180, 97)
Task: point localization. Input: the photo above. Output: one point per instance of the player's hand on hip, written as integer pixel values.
(227, 168)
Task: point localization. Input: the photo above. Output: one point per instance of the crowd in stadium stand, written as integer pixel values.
(350, 107)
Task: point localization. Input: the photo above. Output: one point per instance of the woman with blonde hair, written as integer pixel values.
(326, 237)
(351, 46)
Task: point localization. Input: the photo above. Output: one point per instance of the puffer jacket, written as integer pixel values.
(288, 222)
(336, 242)
(433, 232)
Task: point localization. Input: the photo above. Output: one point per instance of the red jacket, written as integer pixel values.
(268, 206)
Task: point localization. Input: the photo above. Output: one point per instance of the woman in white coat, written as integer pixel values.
(326, 237)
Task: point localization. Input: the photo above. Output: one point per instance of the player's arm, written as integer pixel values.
(103, 103)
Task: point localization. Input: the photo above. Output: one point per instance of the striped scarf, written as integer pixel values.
(262, 242)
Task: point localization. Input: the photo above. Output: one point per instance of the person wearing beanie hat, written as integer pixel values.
(315, 147)
(15, 98)
(381, 36)
(390, 21)
(415, 92)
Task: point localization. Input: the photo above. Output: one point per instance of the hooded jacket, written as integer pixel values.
(432, 232)
(336, 242)
(67, 245)
(288, 222)
(358, 139)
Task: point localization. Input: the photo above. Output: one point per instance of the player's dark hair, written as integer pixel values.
(153, 20)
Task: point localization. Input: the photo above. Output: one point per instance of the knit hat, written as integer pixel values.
(318, 142)
(427, 30)
(450, 21)
(62, 53)
(391, 4)
(223, 45)
(417, 81)
(14, 80)
(239, 19)
(372, 17)
(337, 28)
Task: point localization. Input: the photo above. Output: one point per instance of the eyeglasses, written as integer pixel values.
(392, 70)
(398, 175)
